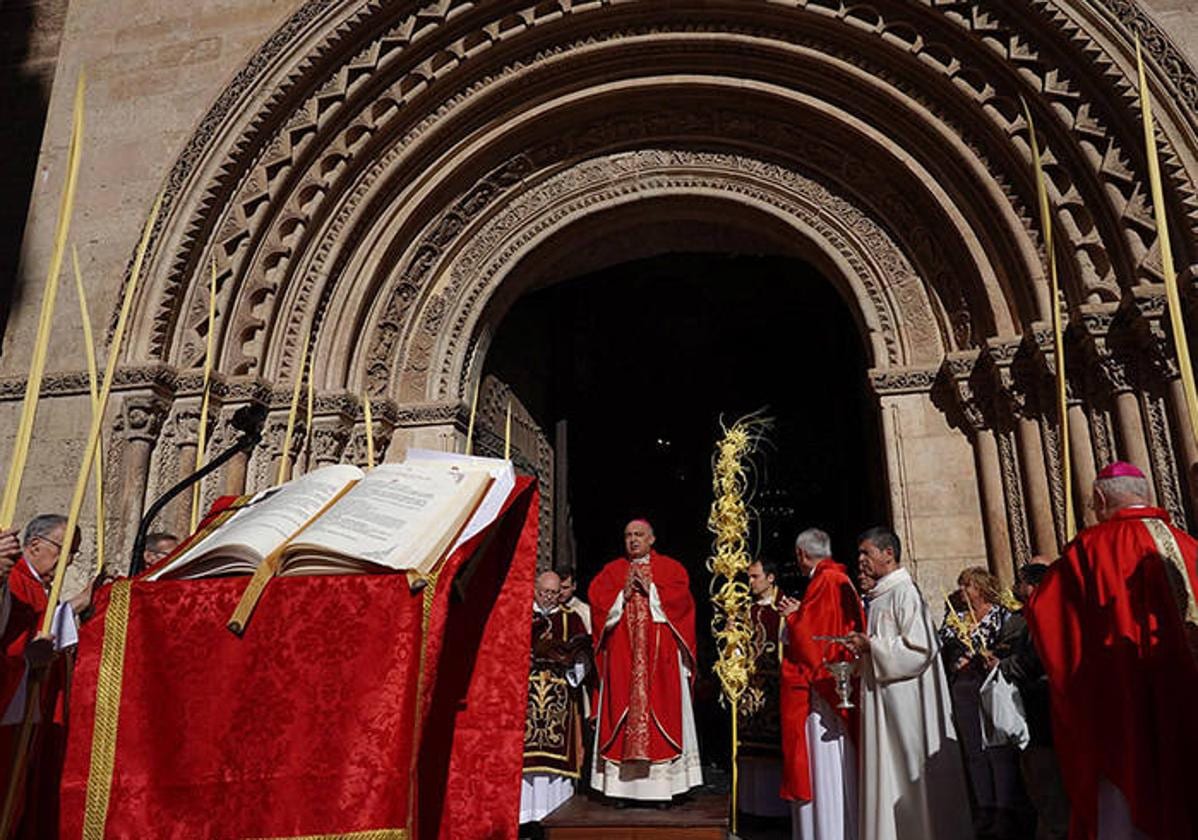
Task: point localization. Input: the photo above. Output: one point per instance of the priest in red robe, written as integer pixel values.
(818, 739)
(26, 657)
(1113, 622)
(646, 747)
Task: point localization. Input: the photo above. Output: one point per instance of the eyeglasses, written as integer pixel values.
(58, 545)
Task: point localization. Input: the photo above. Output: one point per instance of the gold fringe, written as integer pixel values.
(372, 834)
(108, 710)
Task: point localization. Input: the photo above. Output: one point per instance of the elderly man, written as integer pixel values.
(553, 748)
(29, 584)
(913, 783)
(760, 715)
(1114, 621)
(820, 761)
(646, 747)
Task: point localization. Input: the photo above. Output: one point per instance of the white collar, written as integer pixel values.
(537, 608)
(889, 581)
(32, 570)
(640, 560)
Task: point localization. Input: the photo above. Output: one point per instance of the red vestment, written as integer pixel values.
(1108, 624)
(43, 766)
(636, 658)
(830, 607)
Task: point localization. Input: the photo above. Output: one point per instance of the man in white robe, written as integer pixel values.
(912, 779)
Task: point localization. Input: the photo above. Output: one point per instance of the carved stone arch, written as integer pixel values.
(355, 178)
(322, 94)
(792, 213)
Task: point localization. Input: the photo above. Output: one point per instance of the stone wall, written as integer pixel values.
(153, 68)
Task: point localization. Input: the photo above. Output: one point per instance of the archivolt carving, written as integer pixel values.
(890, 294)
(289, 164)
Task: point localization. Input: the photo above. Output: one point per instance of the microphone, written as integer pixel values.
(247, 420)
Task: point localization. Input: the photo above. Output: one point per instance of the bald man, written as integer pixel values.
(553, 747)
(644, 630)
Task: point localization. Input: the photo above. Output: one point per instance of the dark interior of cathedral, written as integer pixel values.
(644, 360)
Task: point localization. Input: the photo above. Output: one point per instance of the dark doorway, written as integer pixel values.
(643, 359)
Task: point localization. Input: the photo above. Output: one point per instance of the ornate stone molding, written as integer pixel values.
(887, 288)
(891, 381)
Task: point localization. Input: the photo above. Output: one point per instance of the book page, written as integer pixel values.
(266, 523)
(505, 481)
(393, 517)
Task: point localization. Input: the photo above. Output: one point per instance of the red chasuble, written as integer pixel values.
(1109, 623)
(46, 749)
(830, 608)
(640, 712)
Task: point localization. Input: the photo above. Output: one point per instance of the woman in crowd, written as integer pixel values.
(970, 634)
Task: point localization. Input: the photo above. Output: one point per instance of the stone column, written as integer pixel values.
(235, 474)
(270, 451)
(177, 516)
(136, 429)
(1130, 426)
(1184, 424)
(994, 506)
(1081, 454)
(1035, 486)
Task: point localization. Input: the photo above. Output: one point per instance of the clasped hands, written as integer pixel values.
(636, 580)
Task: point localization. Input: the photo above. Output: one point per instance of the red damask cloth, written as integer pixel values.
(640, 717)
(1109, 624)
(351, 704)
(831, 607)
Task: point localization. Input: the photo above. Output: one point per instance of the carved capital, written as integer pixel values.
(140, 417)
(329, 439)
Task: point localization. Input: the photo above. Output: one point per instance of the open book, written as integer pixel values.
(337, 520)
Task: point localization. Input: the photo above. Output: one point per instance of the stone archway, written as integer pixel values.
(377, 171)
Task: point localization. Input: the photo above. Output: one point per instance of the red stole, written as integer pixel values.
(640, 714)
(1124, 684)
(830, 607)
(24, 621)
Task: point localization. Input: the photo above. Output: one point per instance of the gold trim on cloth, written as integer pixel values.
(428, 599)
(108, 709)
(371, 834)
(1167, 545)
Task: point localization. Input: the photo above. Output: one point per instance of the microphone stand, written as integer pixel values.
(248, 420)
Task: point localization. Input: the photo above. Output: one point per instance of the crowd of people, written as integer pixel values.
(1060, 709)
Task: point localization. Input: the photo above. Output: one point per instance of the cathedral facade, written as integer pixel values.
(377, 183)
